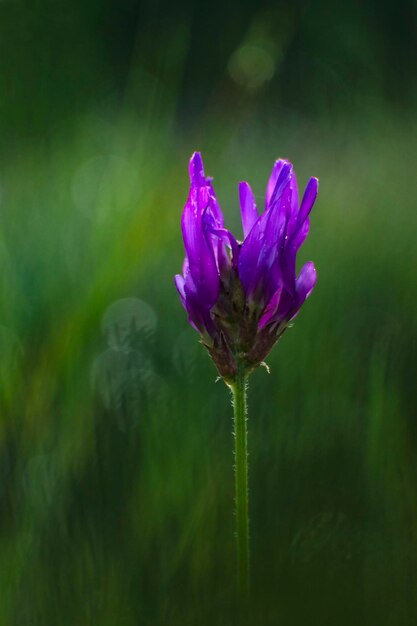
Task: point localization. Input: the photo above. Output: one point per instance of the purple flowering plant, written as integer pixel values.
(241, 296)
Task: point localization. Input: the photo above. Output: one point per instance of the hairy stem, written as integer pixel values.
(241, 480)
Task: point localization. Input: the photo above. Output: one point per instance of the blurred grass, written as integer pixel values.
(116, 481)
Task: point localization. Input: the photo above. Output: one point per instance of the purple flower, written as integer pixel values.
(241, 296)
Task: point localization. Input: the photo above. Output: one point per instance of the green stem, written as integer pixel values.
(241, 480)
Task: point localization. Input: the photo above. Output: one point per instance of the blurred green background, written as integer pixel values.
(116, 481)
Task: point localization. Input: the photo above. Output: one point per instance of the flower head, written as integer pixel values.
(241, 296)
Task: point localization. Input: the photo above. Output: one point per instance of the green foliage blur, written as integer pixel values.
(116, 479)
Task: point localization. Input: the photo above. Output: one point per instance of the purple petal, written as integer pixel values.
(206, 197)
(292, 206)
(308, 200)
(287, 267)
(304, 285)
(199, 179)
(300, 235)
(275, 241)
(196, 170)
(197, 313)
(273, 180)
(260, 250)
(283, 179)
(179, 283)
(201, 259)
(193, 316)
(227, 237)
(289, 254)
(294, 193)
(271, 308)
(248, 208)
(296, 233)
(216, 235)
(215, 206)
